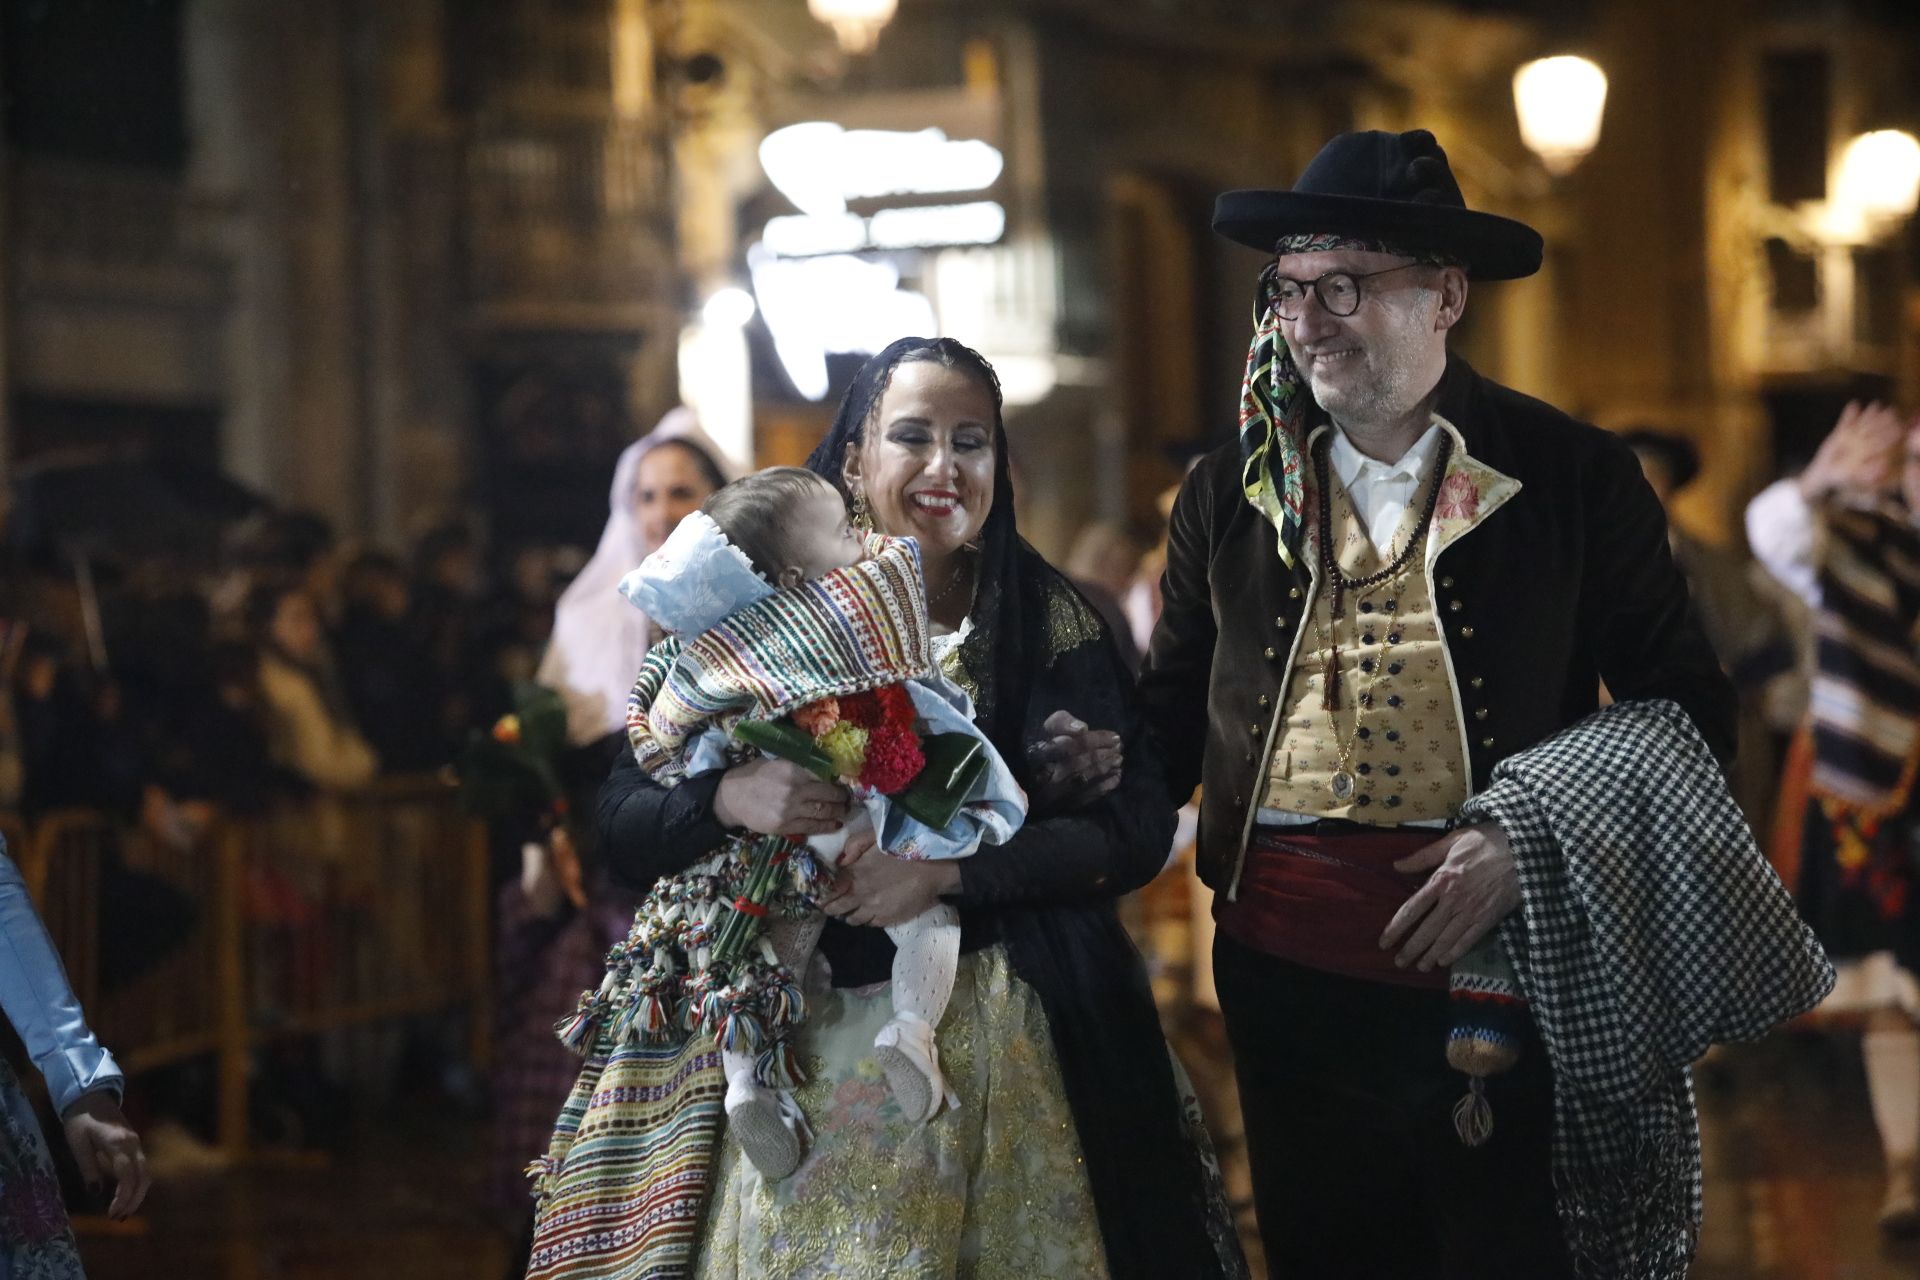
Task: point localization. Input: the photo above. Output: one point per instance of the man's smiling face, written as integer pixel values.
(1374, 365)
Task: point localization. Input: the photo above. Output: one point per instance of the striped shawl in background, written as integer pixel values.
(1866, 686)
(854, 629)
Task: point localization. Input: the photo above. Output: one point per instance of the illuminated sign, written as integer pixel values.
(919, 227)
(820, 167)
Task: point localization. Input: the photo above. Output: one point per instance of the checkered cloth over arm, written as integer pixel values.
(1650, 928)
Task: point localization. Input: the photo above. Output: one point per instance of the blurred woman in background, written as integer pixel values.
(598, 638)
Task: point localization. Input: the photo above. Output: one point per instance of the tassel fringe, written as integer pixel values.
(1473, 1114)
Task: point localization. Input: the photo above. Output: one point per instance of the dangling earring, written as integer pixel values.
(862, 517)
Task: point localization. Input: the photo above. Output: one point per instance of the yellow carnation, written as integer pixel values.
(845, 745)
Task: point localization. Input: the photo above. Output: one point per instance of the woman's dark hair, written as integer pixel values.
(709, 469)
(756, 513)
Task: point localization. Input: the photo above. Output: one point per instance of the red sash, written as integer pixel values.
(1323, 899)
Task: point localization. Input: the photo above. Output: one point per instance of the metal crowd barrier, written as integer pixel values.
(343, 911)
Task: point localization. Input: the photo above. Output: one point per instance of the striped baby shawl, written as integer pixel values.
(1866, 687)
(852, 630)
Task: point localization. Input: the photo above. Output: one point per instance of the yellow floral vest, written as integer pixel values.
(1404, 757)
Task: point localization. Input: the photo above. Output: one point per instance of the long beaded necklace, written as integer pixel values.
(1343, 783)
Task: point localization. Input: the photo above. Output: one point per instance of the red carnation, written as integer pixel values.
(862, 710)
(896, 707)
(894, 760)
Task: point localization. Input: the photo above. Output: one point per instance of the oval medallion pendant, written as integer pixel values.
(1343, 785)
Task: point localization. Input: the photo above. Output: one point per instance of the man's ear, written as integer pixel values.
(791, 576)
(1453, 298)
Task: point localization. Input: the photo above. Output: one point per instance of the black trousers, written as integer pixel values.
(1358, 1173)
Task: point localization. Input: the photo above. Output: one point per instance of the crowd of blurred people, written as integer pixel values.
(292, 663)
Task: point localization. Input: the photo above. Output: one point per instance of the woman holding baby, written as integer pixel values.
(1075, 1148)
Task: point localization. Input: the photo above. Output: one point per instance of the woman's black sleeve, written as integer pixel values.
(1106, 849)
(648, 831)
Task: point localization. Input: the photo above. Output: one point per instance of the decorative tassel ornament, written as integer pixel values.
(576, 1030)
(541, 1171)
(1472, 1115)
(778, 1067)
(739, 1031)
(786, 1002)
(1489, 1022)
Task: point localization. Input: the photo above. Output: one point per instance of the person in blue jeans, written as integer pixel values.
(36, 1241)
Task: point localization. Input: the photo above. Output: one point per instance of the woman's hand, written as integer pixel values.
(776, 798)
(1861, 457)
(1075, 765)
(103, 1143)
(873, 889)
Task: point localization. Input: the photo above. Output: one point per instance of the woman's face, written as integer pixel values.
(296, 626)
(926, 464)
(669, 485)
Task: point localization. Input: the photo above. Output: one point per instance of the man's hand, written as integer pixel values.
(776, 798)
(104, 1145)
(1860, 458)
(1075, 765)
(1473, 886)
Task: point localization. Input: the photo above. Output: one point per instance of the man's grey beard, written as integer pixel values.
(1394, 385)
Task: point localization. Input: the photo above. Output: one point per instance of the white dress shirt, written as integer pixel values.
(1382, 491)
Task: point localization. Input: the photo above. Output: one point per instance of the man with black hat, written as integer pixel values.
(1401, 575)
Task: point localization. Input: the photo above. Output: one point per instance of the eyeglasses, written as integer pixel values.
(1339, 291)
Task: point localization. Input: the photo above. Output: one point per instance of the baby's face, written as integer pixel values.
(822, 539)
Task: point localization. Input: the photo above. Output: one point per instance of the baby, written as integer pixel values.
(779, 604)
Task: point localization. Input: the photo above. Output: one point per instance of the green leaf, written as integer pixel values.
(956, 762)
(787, 741)
(543, 720)
(498, 780)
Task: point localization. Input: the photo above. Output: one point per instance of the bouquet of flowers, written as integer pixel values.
(513, 769)
(868, 740)
(864, 740)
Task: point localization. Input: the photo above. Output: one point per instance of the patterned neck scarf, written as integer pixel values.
(1274, 400)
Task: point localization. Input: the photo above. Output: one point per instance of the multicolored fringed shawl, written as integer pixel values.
(629, 1169)
(1866, 686)
(630, 1166)
(1274, 400)
(854, 629)
(623, 1184)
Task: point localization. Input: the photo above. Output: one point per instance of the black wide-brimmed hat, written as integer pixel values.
(1392, 187)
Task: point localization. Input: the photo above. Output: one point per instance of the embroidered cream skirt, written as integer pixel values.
(993, 1190)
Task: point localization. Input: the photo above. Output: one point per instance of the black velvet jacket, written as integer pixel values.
(1569, 583)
